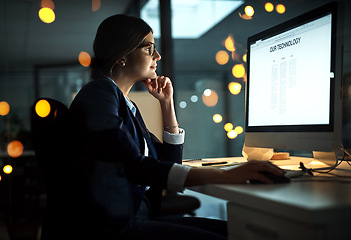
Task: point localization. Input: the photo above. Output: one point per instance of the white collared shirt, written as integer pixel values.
(178, 172)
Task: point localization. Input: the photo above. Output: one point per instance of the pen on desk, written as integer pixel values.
(213, 163)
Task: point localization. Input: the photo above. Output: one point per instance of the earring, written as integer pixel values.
(123, 64)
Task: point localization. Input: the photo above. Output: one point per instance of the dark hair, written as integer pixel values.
(116, 37)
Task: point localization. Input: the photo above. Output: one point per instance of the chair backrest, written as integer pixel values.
(150, 110)
(49, 131)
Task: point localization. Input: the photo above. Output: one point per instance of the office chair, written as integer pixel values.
(49, 131)
(77, 191)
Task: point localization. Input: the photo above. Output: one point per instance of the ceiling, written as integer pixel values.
(25, 40)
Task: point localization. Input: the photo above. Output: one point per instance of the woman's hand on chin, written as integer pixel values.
(160, 87)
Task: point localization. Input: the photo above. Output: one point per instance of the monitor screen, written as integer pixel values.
(293, 98)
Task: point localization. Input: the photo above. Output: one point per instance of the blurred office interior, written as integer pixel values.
(204, 53)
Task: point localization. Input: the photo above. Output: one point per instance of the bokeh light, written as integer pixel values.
(95, 5)
(229, 43)
(42, 108)
(210, 98)
(46, 15)
(15, 149)
(84, 59)
(245, 57)
(244, 16)
(238, 71)
(217, 118)
(234, 88)
(235, 56)
(280, 8)
(7, 169)
(232, 134)
(222, 57)
(269, 7)
(47, 4)
(228, 127)
(249, 11)
(239, 130)
(4, 108)
(207, 92)
(182, 104)
(194, 98)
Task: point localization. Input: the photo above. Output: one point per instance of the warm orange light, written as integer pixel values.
(228, 127)
(4, 108)
(0, 178)
(46, 15)
(244, 78)
(235, 56)
(244, 16)
(7, 169)
(232, 134)
(84, 59)
(222, 57)
(238, 71)
(249, 11)
(280, 8)
(239, 130)
(217, 118)
(269, 7)
(210, 98)
(48, 4)
(229, 43)
(42, 108)
(15, 148)
(245, 57)
(234, 88)
(95, 5)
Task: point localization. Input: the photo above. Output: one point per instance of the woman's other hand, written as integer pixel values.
(252, 170)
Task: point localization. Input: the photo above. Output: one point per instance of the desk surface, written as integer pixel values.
(314, 200)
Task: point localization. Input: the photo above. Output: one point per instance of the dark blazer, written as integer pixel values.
(109, 153)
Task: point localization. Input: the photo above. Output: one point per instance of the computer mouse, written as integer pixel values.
(274, 178)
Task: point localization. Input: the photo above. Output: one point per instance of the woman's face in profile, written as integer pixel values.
(141, 64)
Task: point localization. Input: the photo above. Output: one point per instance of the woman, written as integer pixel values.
(119, 153)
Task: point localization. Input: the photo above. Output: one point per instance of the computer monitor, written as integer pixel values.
(294, 83)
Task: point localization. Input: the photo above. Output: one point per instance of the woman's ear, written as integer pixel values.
(121, 62)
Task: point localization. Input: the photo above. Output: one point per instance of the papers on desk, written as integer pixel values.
(253, 153)
(214, 162)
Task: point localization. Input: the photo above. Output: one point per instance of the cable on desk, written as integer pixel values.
(345, 152)
(310, 171)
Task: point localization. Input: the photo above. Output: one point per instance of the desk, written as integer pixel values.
(299, 210)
